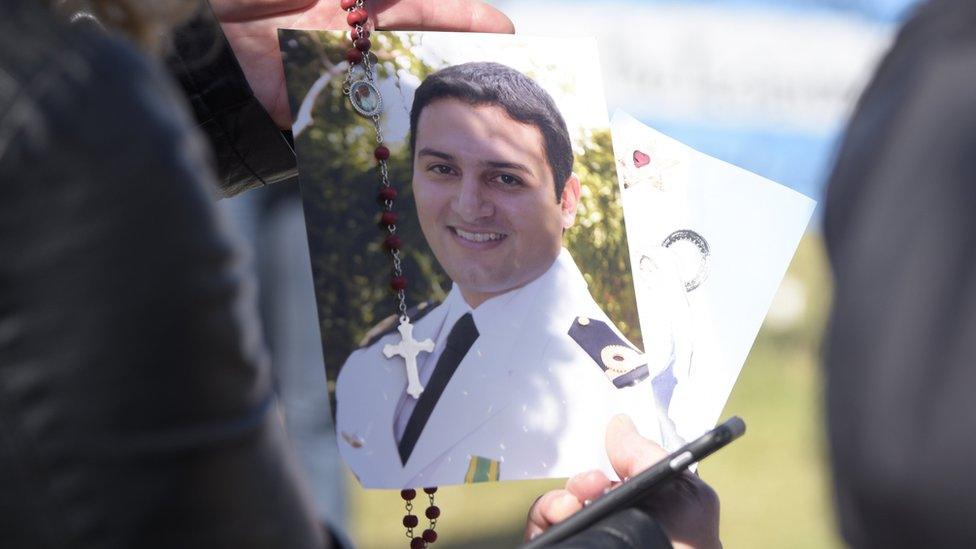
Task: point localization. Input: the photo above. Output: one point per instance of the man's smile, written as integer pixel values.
(481, 240)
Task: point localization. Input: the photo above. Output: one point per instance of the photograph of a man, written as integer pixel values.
(527, 369)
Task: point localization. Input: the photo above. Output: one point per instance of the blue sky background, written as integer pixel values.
(875, 10)
(795, 157)
(798, 160)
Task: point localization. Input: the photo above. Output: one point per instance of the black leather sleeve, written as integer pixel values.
(135, 401)
(250, 150)
(901, 232)
(627, 529)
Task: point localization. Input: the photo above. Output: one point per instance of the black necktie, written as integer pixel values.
(460, 339)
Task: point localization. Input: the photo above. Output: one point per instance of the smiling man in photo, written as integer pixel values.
(526, 369)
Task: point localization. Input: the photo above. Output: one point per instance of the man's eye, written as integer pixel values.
(442, 169)
(508, 180)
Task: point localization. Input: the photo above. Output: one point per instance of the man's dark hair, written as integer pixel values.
(486, 83)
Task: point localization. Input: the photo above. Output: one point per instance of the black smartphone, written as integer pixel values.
(632, 490)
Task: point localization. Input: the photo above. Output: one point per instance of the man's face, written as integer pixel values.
(486, 198)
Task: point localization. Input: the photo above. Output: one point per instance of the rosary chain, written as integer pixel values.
(409, 508)
(367, 67)
(365, 64)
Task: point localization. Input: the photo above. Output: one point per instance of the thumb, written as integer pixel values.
(629, 452)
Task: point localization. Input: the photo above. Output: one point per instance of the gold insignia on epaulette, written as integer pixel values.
(619, 359)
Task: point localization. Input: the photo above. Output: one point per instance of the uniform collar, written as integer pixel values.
(493, 310)
(454, 308)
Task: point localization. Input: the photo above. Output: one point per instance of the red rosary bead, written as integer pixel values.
(408, 494)
(388, 218)
(398, 283)
(430, 490)
(356, 17)
(387, 193)
(433, 512)
(355, 34)
(410, 521)
(362, 44)
(347, 4)
(381, 153)
(430, 536)
(354, 56)
(393, 242)
(417, 543)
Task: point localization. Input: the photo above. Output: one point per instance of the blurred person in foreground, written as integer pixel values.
(135, 403)
(901, 349)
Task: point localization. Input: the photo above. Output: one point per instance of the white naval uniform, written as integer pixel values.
(526, 394)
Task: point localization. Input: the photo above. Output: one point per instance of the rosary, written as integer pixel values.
(360, 87)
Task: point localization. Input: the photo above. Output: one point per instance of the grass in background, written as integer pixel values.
(773, 483)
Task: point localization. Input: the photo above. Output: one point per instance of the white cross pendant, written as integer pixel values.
(409, 348)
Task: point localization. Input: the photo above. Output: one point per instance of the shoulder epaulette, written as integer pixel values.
(623, 364)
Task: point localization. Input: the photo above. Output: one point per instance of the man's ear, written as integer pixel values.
(569, 201)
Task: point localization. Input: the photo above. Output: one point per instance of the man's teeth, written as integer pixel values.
(478, 237)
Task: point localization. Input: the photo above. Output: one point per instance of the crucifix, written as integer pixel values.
(409, 348)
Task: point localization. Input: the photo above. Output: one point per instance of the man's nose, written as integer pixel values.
(471, 202)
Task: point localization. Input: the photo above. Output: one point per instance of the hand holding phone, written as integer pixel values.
(685, 506)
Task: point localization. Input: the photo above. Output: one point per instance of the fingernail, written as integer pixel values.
(570, 499)
(625, 421)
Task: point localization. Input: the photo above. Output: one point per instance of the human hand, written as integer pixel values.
(251, 28)
(686, 508)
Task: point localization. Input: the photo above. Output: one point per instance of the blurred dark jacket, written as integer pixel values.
(135, 400)
(901, 232)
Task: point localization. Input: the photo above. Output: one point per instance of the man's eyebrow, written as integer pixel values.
(427, 151)
(508, 166)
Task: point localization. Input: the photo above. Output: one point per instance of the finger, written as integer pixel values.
(537, 521)
(444, 15)
(697, 489)
(553, 507)
(532, 530)
(588, 486)
(537, 513)
(629, 452)
(682, 488)
(560, 508)
(236, 10)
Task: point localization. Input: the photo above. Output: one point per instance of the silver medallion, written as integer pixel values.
(693, 252)
(365, 98)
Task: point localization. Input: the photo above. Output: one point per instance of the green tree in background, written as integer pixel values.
(598, 241)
